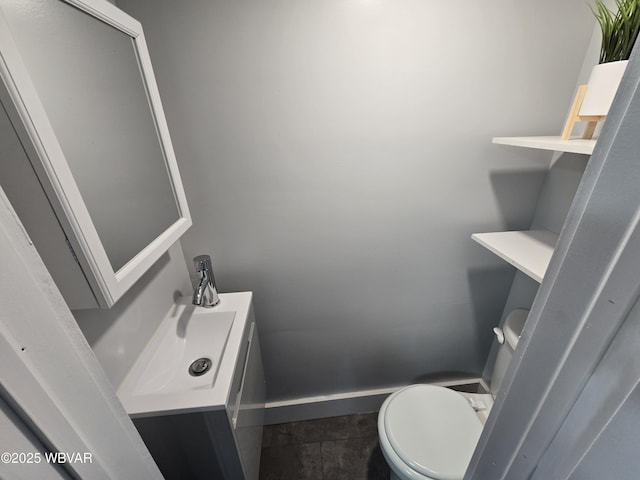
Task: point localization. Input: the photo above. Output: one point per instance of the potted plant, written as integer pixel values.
(619, 32)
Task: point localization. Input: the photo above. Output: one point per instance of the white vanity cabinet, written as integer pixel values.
(246, 410)
(85, 154)
(208, 433)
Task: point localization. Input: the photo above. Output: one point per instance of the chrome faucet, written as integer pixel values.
(205, 294)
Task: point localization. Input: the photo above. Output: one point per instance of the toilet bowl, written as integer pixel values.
(429, 432)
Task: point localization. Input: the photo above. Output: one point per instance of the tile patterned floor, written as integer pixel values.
(337, 448)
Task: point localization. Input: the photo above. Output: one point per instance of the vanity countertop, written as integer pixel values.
(159, 382)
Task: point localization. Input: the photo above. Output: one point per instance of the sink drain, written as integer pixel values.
(199, 367)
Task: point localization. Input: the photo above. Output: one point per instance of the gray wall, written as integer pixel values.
(336, 157)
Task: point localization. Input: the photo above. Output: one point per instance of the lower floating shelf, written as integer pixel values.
(575, 145)
(529, 251)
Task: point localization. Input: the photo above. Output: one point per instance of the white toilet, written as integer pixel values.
(429, 432)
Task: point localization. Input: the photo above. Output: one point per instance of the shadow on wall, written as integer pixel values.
(516, 193)
(489, 288)
(96, 322)
(559, 189)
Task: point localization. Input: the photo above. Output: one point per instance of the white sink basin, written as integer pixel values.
(198, 333)
(160, 380)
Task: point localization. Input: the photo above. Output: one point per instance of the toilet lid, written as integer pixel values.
(432, 429)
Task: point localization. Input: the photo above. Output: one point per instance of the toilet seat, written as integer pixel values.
(432, 430)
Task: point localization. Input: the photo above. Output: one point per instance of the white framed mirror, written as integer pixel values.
(80, 92)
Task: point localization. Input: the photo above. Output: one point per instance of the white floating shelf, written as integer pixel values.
(574, 145)
(529, 251)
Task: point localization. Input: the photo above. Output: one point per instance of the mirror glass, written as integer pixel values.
(102, 120)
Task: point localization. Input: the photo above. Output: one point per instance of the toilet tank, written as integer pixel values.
(511, 331)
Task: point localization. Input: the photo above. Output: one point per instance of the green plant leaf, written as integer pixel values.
(619, 30)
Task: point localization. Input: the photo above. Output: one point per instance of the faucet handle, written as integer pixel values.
(202, 263)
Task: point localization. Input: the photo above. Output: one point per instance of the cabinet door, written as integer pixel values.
(248, 416)
(79, 89)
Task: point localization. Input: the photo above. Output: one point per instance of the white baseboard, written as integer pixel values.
(347, 403)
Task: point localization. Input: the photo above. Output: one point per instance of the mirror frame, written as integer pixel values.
(29, 117)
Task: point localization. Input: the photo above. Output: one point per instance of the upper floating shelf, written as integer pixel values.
(529, 251)
(574, 145)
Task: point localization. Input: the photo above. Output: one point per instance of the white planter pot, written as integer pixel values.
(602, 87)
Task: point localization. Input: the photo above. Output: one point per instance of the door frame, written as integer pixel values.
(49, 374)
